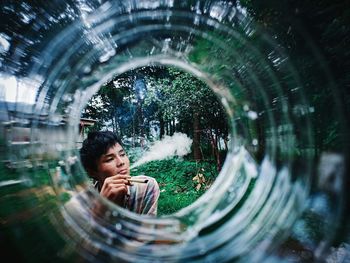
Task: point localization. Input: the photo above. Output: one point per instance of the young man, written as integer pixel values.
(105, 161)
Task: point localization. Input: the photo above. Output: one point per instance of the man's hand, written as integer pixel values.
(115, 188)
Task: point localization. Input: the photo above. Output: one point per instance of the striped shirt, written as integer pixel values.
(142, 198)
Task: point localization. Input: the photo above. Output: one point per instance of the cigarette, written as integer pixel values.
(135, 180)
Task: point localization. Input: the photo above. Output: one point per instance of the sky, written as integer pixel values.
(13, 89)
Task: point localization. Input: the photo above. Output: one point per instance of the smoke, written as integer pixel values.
(177, 145)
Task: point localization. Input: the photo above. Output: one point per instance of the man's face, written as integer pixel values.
(113, 162)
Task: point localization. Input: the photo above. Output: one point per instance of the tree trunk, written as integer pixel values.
(196, 137)
(215, 151)
(173, 126)
(166, 128)
(161, 128)
(218, 161)
(225, 142)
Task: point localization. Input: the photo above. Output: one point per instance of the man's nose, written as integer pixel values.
(119, 162)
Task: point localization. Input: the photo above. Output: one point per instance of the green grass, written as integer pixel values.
(175, 179)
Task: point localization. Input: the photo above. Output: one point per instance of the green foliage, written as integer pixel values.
(181, 95)
(315, 35)
(175, 179)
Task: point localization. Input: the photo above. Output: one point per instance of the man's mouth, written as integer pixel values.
(125, 171)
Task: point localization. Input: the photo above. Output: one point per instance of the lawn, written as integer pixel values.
(181, 182)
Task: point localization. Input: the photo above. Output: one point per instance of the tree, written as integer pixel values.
(188, 105)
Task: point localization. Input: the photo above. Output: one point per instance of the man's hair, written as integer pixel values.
(95, 145)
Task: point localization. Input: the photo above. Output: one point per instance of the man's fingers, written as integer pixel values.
(111, 186)
(117, 182)
(114, 178)
(120, 176)
(117, 192)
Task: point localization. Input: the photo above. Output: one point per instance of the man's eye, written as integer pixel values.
(122, 154)
(109, 160)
